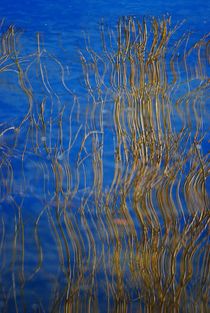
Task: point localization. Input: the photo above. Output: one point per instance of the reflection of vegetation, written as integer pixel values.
(141, 241)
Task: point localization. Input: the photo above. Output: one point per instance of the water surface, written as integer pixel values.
(104, 151)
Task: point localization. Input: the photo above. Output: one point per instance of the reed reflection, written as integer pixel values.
(70, 241)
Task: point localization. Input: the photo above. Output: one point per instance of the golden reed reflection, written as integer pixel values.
(139, 242)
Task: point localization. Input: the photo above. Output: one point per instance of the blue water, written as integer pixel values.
(76, 16)
(63, 27)
(65, 21)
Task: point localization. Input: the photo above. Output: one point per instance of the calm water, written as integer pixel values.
(104, 156)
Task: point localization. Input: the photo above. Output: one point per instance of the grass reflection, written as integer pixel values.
(72, 243)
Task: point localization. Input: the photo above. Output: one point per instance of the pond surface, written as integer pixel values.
(104, 156)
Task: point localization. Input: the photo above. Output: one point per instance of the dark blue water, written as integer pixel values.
(75, 16)
(45, 252)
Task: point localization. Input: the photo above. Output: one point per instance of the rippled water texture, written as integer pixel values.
(104, 169)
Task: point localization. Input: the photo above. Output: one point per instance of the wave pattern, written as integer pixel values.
(104, 198)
